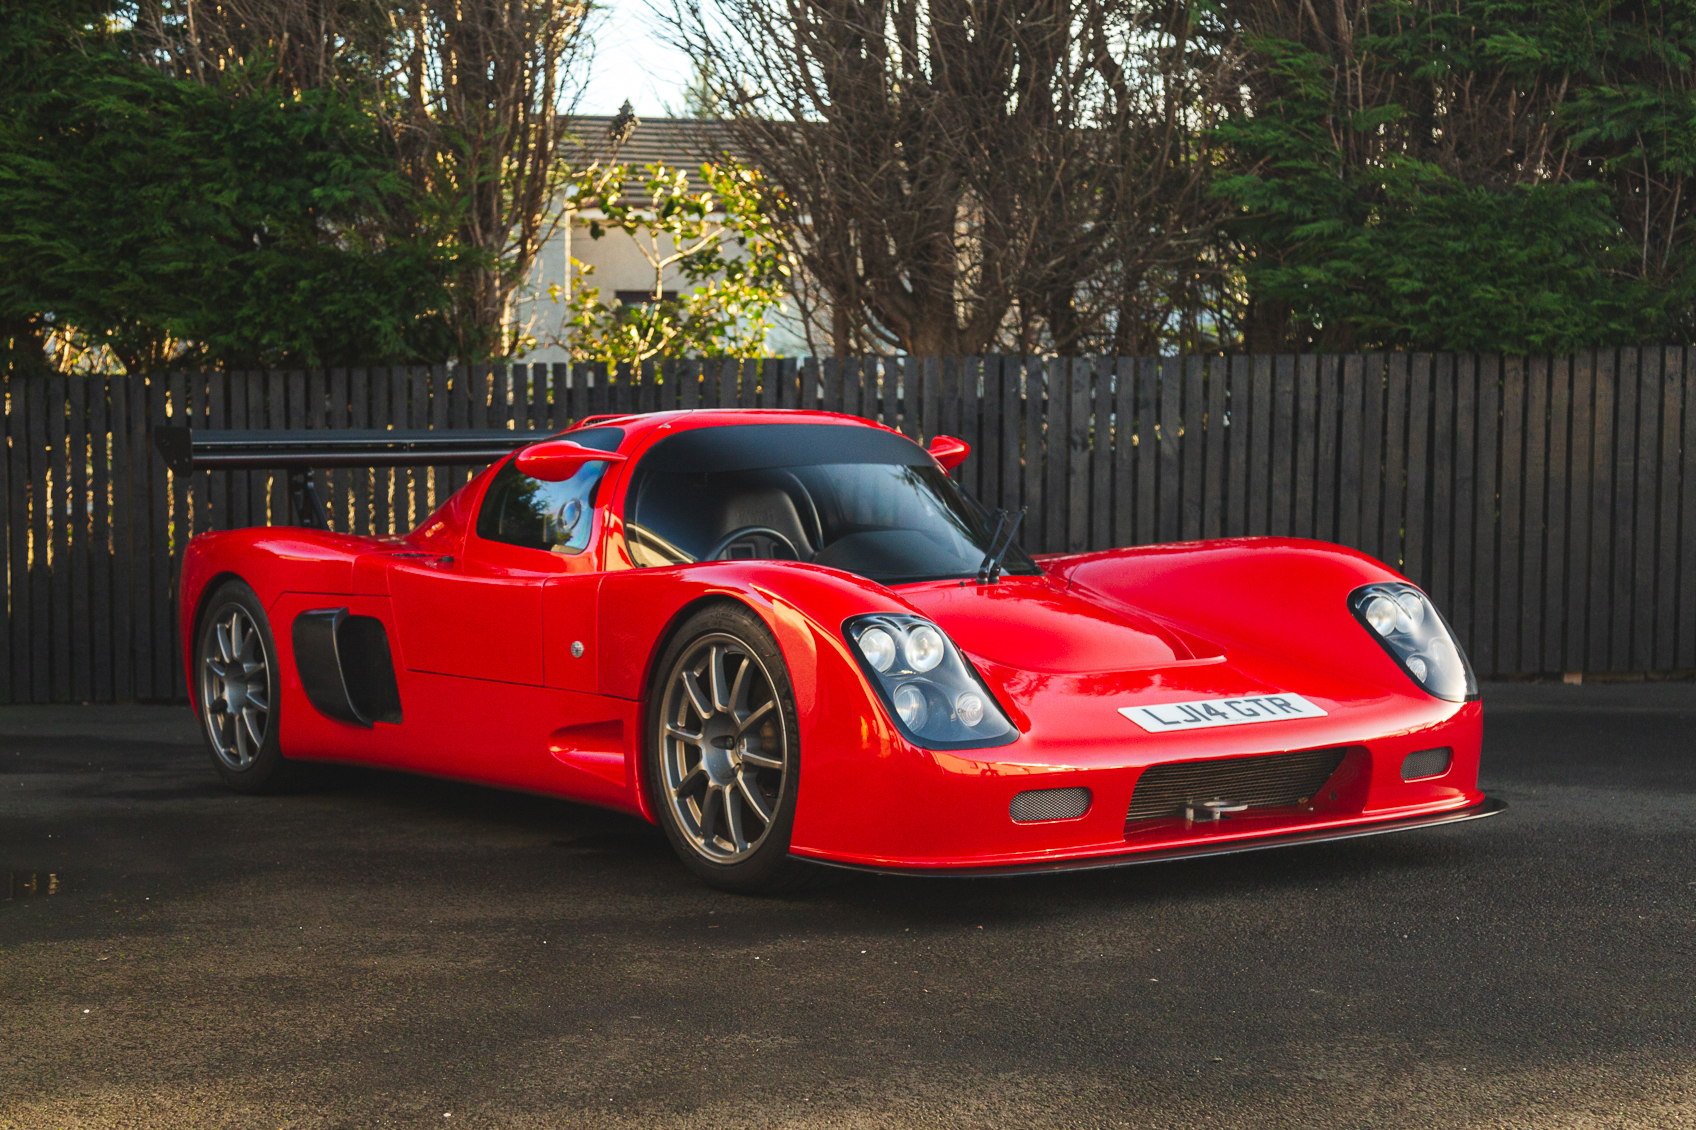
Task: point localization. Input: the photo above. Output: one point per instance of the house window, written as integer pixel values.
(641, 297)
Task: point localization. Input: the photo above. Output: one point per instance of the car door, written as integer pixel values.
(525, 575)
(468, 615)
(501, 612)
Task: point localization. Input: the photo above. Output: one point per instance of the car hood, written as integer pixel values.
(1065, 661)
(1036, 624)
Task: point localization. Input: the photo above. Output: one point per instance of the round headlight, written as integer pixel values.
(969, 708)
(1417, 666)
(910, 705)
(1383, 613)
(878, 647)
(1413, 607)
(924, 647)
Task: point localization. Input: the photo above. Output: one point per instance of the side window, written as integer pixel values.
(556, 517)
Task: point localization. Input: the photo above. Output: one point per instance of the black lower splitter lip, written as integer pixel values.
(1489, 806)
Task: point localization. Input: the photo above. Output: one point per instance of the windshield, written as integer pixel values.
(858, 499)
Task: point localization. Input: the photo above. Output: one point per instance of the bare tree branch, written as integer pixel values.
(959, 176)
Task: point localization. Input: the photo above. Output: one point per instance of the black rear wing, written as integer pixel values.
(299, 452)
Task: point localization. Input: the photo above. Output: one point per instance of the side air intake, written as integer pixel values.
(345, 666)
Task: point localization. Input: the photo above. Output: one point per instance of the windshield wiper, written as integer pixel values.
(989, 554)
(989, 571)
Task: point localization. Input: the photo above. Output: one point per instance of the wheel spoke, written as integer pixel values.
(761, 760)
(691, 737)
(221, 636)
(217, 667)
(253, 721)
(249, 641)
(690, 780)
(697, 698)
(256, 696)
(738, 689)
(751, 796)
(761, 712)
(733, 820)
(707, 820)
(721, 692)
(239, 742)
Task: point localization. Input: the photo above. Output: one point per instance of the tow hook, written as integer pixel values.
(1210, 811)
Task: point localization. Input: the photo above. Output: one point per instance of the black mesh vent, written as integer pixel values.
(1427, 763)
(1273, 781)
(1049, 804)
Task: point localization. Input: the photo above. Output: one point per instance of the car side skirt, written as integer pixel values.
(1489, 806)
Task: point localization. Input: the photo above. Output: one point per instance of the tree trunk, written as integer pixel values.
(1266, 329)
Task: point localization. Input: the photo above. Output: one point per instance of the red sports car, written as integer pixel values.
(790, 638)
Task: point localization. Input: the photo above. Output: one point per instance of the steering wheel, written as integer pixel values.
(777, 540)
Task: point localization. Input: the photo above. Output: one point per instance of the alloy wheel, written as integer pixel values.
(235, 687)
(723, 748)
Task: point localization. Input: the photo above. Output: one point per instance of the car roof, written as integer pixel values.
(639, 428)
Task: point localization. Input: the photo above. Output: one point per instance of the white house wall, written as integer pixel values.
(618, 265)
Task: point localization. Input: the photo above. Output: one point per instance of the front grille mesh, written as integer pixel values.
(1272, 781)
(1048, 804)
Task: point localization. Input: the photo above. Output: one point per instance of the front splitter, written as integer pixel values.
(1489, 806)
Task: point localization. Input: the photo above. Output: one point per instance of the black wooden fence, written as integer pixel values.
(1547, 504)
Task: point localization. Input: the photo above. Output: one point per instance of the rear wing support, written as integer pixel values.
(305, 507)
(300, 452)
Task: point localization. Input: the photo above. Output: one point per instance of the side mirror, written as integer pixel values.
(556, 460)
(949, 452)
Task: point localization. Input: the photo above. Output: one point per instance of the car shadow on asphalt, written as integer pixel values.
(585, 848)
(639, 853)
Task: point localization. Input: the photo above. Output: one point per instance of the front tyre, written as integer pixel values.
(723, 754)
(237, 684)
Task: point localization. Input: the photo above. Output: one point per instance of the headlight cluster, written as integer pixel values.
(1407, 625)
(935, 698)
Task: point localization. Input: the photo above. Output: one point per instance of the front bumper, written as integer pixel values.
(953, 811)
(1489, 806)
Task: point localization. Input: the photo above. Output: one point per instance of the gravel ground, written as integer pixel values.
(391, 951)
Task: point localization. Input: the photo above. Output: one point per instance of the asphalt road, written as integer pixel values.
(390, 951)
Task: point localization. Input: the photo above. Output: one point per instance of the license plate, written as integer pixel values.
(1205, 713)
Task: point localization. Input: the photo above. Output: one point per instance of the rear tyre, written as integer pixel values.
(723, 753)
(237, 683)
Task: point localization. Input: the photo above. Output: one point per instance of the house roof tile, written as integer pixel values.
(679, 143)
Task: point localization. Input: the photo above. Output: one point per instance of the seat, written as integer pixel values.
(769, 506)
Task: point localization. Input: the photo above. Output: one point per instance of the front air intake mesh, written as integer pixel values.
(1427, 763)
(1272, 781)
(1048, 804)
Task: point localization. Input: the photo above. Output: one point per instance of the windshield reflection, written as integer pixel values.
(891, 522)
